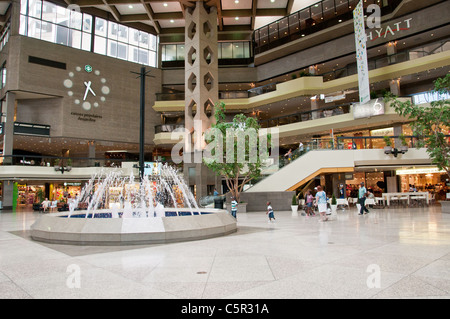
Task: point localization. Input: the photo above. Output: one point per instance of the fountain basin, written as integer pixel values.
(58, 228)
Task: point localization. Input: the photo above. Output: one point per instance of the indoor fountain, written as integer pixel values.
(115, 210)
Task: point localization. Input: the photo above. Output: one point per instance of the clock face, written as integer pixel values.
(94, 86)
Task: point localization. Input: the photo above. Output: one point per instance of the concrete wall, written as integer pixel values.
(43, 97)
(257, 202)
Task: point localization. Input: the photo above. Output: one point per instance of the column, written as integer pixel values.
(8, 129)
(394, 86)
(201, 85)
(91, 153)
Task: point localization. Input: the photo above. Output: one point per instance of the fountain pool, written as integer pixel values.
(120, 211)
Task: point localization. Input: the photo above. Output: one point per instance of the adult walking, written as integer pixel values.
(321, 202)
(362, 199)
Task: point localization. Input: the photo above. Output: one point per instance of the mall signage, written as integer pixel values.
(361, 53)
(389, 30)
(367, 110)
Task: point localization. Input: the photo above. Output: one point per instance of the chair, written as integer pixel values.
(419, 200)
(394, 199)
(404, 199)
(53, 205)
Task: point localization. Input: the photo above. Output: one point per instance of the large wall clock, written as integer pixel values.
(94, 86)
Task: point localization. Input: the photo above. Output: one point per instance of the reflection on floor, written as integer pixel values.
(389, 253)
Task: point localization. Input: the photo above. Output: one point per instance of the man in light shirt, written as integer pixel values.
(362, 199)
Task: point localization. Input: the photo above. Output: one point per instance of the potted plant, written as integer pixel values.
(294, 205)
(404, 147)
(333, 205)
(388, 147)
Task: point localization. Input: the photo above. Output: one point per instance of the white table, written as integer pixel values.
(422, 195)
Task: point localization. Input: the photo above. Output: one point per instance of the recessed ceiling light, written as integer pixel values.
(130, 6)
(165, 4)
(237, 18)
(236, 1)
(272, 1)
(172, 21)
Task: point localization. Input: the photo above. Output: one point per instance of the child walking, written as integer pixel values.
(270, 212)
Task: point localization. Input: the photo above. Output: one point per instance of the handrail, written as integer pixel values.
(303, 22)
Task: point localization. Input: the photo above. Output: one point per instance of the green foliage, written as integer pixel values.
(40, 195)
(236, 173)
(294, 200)
(430, 124)
(387, 140)
(403, 140)
(333, 200)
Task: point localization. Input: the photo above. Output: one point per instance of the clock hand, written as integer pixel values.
(88, 88)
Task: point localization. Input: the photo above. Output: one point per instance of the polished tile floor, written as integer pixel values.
(389, 253)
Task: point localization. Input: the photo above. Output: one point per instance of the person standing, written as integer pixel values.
(321, 203)
(270, 212)
(233, 207)
(309, 203)
(362, 193)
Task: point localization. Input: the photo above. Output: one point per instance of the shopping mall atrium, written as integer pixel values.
(92, 87)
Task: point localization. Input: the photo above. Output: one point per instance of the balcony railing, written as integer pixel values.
(317, 17)
(307, 115)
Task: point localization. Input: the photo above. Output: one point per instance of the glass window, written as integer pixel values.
(86, 41)
(35, 8)
(62, 16)
(76, 19)
(133, 37)
(87, 23)
(180, 52)
(48, 31)
(112, 30)
(23, 7)
(23, 25)
(171, 52)
(101, 27)
(133, 54)
(112, 48)
(122, 51)
(144, 40)
(238, 50)
(62, 35)
(34, 28)
(152, 58)
(100, 45)
(75, 38)
(246, 49)
(153, 42)
(49, 12)
(122, 33)
(143, 56)
(227, 50)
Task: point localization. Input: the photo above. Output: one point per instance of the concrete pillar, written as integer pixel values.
(8, 109)
(394, 86)
(7, 195)
(91, 153)
(201, 85)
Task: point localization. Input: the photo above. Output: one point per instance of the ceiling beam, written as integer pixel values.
(113, 10)
(150, 14)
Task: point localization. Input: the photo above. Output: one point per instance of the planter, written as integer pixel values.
(334, 209)
(242, 207)
(445, 207)
(387, 149)
(294, 210)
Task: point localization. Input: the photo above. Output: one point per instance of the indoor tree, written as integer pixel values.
(430, 124)
(232, 146)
